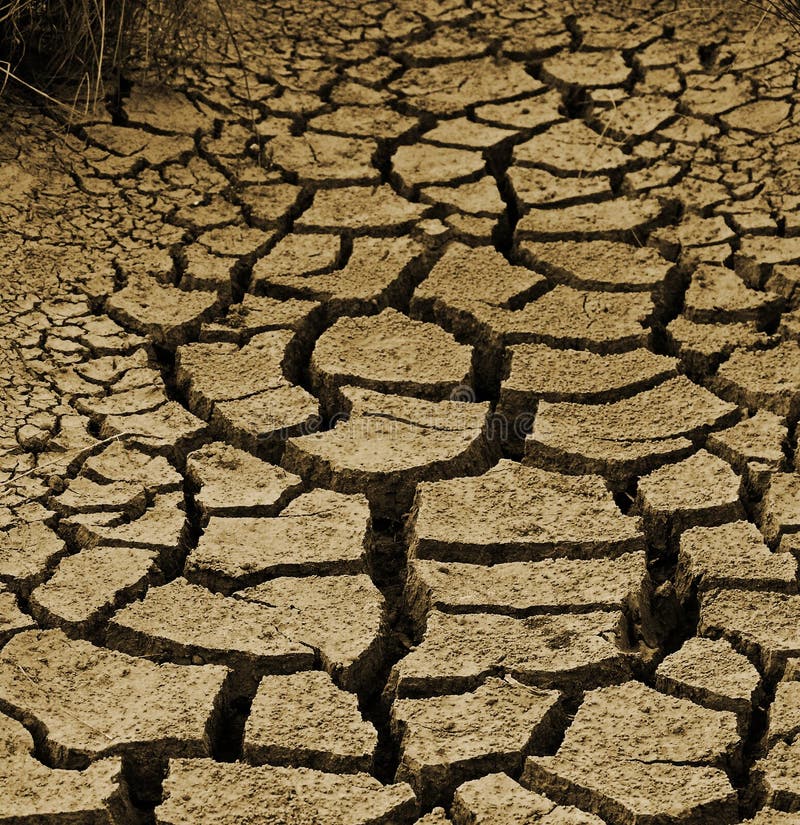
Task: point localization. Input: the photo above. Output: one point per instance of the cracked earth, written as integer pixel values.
(422, 448)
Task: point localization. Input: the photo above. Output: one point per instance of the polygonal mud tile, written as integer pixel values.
(602, 322)
(777, 777)
(714, 95)
(367, 210)
(533, 187)
(33, 792)
(341, 618)
(526, 588)
(205, 792)
(188, 624)
(99, 702)
(497, 799)
(209, 373)
(571, 148)
(717, 296)
(231, 482)
(133, 148)
(466, 134)
(623, 219)
(27, 552)
(167, 315)
(424, 165)
(665, 768)
(731, 556)
(377, 273)
(784, 713)
(613, 267)
(589, 69)
(780, 507)
(769, 816)
(260, 313)
(447, 740)
(120, 463)
(162, 527)
(163, 110)
(389, 353)
(768, 379)
(701, 490)
(296, 256)
(86, 496)
(711, 673)
(138, 399)
(759, 439)
(528, 113)
(325, 159)
(629, 437)
(480, 198)
(636, 117)
(465, 277)
(451, 87)
(169, 430)
(12, 619)
(319, 533)
(701, 347)
(538, 372)
(784, 280)
(759, 255)
(86, 587)
(245, 393)
(364, 122)
(762, 625)
(304, 720)
(518, 513)
(565, 652)
(268, 205)
(390, 443)
(704, 241)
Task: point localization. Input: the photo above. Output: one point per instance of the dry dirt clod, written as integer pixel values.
(304, 720)
(527, 588)
(711, 673)
(761, 625)
(261, 489)
(213, 793)
(518, 513)
(390, 443)
(701, 490)
(319, 533)
(629, 437)
(566, 652)
(729, 556)
(497, 799)
(447, 740)
(666, 766)
(86, 588)
(389, 353)
(86, 703)
(32, 792)
(341, 618)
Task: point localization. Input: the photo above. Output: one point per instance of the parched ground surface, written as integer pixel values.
(420, 450)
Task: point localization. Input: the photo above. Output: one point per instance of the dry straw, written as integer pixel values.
(47, 46)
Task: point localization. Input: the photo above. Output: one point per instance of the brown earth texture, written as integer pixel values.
(405, 434)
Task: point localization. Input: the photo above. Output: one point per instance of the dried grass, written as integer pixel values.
(48, 45)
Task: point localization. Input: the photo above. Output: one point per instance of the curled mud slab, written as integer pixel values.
(408, 434)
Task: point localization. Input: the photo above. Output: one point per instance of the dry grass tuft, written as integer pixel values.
(787, 10)
(47, 45)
